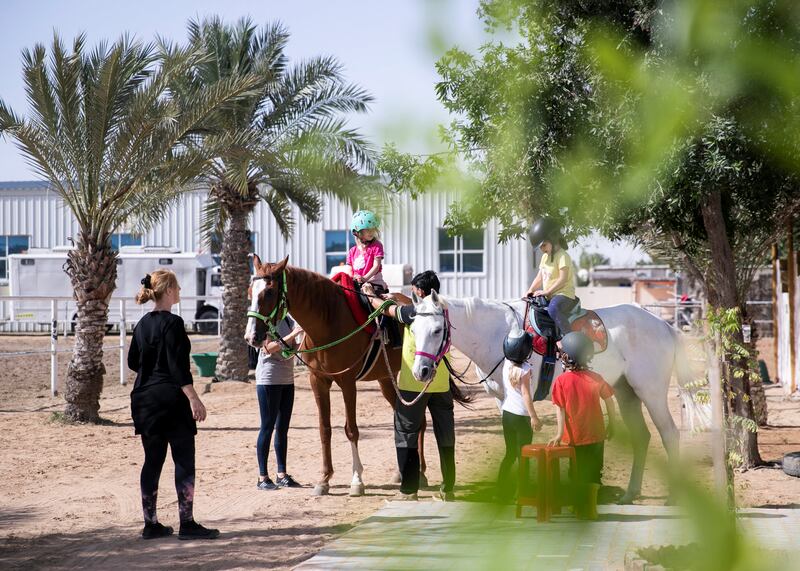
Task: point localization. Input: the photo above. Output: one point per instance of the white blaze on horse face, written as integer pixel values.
(257, 287)
(428, 329)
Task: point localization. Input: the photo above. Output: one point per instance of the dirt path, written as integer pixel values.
(69, 494)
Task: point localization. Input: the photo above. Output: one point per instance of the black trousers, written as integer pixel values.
(589, 463)
(517, 432)
(407, 423)
(155, 453)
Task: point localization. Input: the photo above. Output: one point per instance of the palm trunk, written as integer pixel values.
(232, 360)
(722, 294)
(92, 268)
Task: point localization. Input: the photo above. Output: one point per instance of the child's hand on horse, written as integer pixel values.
(368, 289)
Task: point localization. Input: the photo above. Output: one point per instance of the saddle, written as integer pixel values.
(545, 335)
(540, 324)
(361, 308)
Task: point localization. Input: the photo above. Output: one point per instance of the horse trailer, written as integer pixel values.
(40, 273)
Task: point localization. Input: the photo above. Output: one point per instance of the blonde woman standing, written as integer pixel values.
(164, 404)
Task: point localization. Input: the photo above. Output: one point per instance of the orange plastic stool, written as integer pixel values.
(547, 459)
(553, 455)
(527, 452)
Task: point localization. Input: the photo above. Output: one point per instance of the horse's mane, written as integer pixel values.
(474, 304)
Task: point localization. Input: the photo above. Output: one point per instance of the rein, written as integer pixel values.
(282, 308)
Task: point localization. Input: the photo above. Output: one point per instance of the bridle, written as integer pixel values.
(279, 312)
(444, 346)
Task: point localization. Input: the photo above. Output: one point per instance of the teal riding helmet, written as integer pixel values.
(362, 220)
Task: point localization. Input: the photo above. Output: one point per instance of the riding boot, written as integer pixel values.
(408, 461)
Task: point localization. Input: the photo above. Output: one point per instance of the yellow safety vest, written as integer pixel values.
(441, 382)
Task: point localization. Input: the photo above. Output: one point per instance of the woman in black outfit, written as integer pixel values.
(164, 404)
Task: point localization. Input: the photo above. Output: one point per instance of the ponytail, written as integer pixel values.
(155, 285)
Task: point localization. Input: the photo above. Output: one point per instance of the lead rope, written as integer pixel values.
(396, 386)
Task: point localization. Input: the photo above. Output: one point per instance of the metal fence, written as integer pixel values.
(123, 324)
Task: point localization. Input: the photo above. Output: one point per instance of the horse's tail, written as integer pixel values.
(459, 396)
(694, 394)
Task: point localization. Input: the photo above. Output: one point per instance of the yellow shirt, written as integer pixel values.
(441, 382)
(550, 270)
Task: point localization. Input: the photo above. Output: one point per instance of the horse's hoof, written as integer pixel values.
(322, 489)
(356, 490)
(396, 478)
(423, 480)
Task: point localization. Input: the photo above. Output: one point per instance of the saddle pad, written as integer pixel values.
(371, 359)
(353, 300)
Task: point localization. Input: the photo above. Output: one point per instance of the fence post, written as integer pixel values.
(53, 347)
(122, 334)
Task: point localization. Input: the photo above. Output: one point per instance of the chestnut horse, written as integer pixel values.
(319, 307)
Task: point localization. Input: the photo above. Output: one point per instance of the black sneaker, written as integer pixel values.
(156, 530)
(193, 530)
(287, 482)
(266, 485)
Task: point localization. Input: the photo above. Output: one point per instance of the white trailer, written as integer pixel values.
(40, 273)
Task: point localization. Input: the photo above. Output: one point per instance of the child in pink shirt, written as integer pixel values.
(366, 257)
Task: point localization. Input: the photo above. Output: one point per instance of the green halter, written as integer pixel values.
(281, 307)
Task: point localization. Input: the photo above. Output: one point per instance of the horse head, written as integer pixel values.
(268, 304)
(431, 328)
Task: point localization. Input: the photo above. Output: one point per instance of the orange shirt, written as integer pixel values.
(579, 394)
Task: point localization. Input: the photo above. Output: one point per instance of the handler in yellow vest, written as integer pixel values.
(438, 399)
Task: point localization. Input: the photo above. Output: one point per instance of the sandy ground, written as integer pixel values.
(69, 494)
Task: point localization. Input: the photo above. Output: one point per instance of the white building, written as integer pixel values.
(32, 216)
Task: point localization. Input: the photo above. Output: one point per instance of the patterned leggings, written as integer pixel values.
(155, 453)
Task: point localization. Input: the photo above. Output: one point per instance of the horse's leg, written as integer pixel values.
(670, 436)
(321, 388)
(351, 430)
(630, 408)
(387, 390)
(423, 479)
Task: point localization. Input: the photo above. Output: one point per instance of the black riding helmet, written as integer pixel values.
(518, 345)
(545, 230)
(578, 348)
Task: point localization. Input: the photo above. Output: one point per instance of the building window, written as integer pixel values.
(337, 244)
(11, 245)
(462, 253)
(119, 240)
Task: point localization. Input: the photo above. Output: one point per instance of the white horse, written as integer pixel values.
(642, 353)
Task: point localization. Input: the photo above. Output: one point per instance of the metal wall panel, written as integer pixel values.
(409, 235)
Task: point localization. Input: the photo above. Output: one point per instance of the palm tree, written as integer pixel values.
(104, 131)
(292, 147)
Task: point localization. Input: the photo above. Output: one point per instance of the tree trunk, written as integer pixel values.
(232, 360)
(92, 268)
(722, 294)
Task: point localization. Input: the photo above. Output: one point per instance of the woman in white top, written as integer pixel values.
(519, 417)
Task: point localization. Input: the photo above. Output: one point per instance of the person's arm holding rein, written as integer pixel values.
(376, 302)
(274, 346)
(535, 285)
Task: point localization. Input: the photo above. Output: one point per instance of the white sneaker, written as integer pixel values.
(407, 497)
